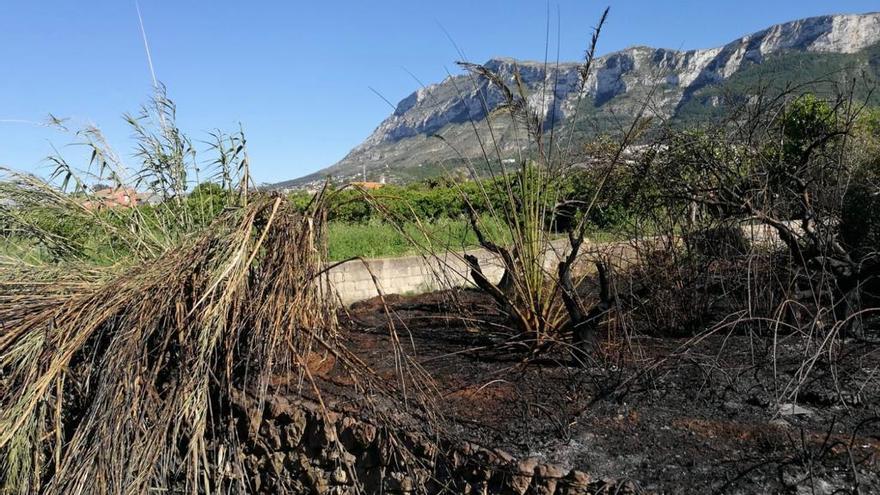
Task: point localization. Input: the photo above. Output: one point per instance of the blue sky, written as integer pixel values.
(297, 75)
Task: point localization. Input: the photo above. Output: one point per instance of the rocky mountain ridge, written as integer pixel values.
(617, 86)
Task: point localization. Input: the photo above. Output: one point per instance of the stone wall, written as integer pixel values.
(301, 449)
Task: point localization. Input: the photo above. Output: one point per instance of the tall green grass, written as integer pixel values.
(379, 239)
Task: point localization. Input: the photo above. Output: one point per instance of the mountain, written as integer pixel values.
(685, 86)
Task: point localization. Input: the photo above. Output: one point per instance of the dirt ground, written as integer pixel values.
(670, 415)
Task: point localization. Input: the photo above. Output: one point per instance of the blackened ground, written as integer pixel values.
(713, 415)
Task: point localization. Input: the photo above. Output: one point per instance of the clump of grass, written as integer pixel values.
(129, 380)
(53, 220)
(122, 384)
(129, 336)
(544, 305)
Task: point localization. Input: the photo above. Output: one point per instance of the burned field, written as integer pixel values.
(658, 415)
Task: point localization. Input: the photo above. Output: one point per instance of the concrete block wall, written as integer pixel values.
(353, 281)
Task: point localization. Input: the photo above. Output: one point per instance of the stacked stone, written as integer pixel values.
(302, 449)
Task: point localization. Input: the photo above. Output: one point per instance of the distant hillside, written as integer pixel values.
(687, 86)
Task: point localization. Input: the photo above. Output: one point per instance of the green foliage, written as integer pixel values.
(436, 200)
(207, 200)
(64, 220)
(426, 200)
(806, 120)
(433, 214)
(380, 239)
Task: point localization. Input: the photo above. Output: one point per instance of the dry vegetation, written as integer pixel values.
(128, 376)
(128, 345)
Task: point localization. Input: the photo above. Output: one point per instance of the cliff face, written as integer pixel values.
(617, 85)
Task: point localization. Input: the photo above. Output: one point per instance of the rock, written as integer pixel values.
(467, 448)
(458, 460)
(794, 410)
(294, 430)
(321, 433)
(575, 483)
(270, 434)
(527, 465)
(331, 453)
(313, 476)
(549, 471)
(339, 476)
(279, 407)
(544, 486)
(277, 461)
(311, 460)
(400, 482)
(521, 479)
(503, 457)
(422, 447)
(485, 462)
(256, 483)
(546, 478)
(356, 436)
